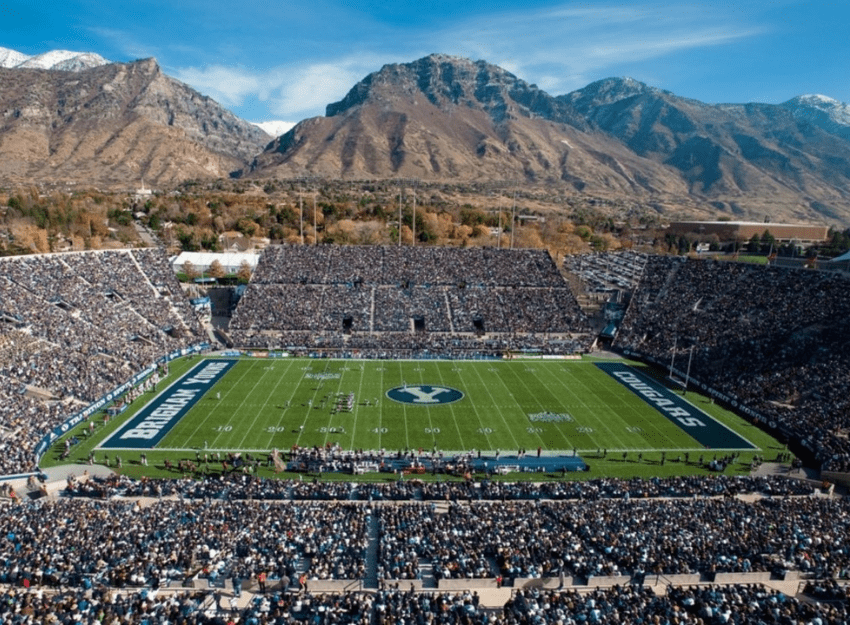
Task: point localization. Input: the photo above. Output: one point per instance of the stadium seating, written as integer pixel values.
(398, 300)
(775, 341)
(75, 326)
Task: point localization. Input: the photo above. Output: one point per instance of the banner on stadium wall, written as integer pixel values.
(89, 410)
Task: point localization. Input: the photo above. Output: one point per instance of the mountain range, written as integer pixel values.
(443, 119)
(446, 118)
(113, 124)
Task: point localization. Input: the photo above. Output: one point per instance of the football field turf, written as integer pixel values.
(260, 404)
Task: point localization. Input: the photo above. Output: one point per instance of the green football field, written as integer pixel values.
(261, 404)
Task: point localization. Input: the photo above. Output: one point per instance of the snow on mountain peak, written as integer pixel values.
(816, 98)
(274, 128)
(62, 60)
(11, 58)
(815, 106)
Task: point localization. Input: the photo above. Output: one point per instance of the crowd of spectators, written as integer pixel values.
(607, 271)
(239, 486)
(120, 544)
(71, 542)
(385, 265)
(773, 340)
(698, 605)
(419, 345)
(620, 537)
(387, 300)
(75, 326)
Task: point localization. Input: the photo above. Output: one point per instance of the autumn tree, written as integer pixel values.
(244, 272)
(189, 270)
(216, 270)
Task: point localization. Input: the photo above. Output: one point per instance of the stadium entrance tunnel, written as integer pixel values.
(478, 324)
(418, 324)
(347, 323)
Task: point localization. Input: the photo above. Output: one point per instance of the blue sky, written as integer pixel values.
(287, 60)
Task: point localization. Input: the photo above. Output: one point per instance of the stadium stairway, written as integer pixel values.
(370, 580)
(426, 574)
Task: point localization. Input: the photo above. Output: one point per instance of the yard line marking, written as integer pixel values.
(451, 407)
(498, 408)
(597, 422)
(238, 411)
(514, 372)
(219, 406)
(289, 401)
(265, 403)
(599, 390)
(357, 401)
(311, 401)
(343, 372)
(421, 371)
(279, 423)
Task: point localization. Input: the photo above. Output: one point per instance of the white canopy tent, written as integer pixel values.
(201, 261)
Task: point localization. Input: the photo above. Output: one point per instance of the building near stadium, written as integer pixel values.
(730, 231)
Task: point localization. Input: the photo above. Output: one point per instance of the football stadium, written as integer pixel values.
(386, 434)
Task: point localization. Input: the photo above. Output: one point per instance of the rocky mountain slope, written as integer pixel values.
(825, 113)
(114, 124)
(736, 156)
(451, 119)
(440, 118)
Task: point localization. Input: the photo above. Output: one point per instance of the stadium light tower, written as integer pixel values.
(498, 211)
(301, 213)
(399, 212)
(413, 223)
(513, 220)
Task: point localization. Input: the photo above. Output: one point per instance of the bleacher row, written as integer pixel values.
(75, 326)
(675, 605)
(391, 265)
(120, 543)
(430, 299)
(773, 340)
(607, 271)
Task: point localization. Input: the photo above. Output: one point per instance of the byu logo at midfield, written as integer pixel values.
(424, 395)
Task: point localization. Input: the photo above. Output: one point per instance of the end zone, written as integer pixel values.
(704, 428)
(150, 425)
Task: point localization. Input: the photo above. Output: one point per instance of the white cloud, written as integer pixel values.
(227, 85)
(559, 48)
(125, 43)
(565, 47)
(313, 86)
(290, 92)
